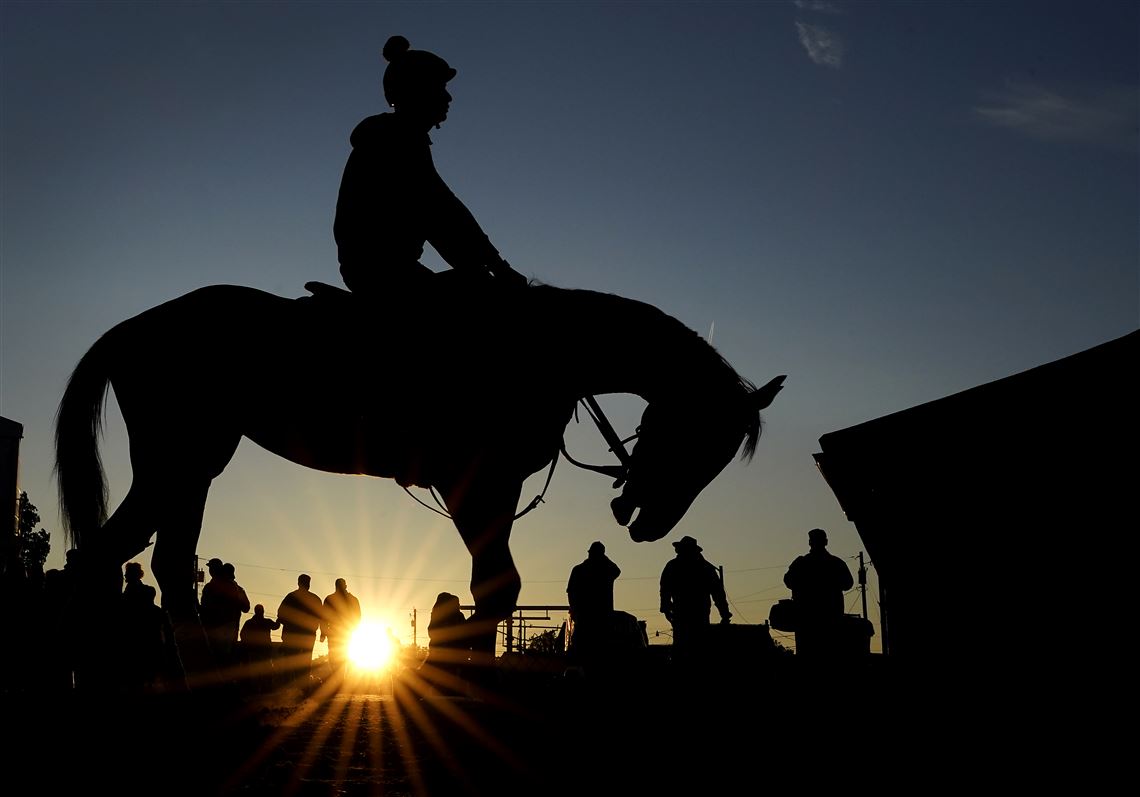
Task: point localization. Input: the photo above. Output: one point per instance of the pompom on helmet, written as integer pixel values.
(411, 70)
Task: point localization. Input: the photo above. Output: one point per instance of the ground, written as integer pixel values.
(518, 732)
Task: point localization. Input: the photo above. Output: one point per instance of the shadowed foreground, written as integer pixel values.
(533, 736)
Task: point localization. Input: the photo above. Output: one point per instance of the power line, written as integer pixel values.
(336, 574)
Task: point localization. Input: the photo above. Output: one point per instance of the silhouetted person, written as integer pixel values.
(340, 618)
(212, 607)
(237, 606)
(590, 592)
(392, 200)
(13, 609)
(257, 643)
(223, 603)
(690, 586)
(135, 592)
(448, 641)
(818, 580)
(145, 632)
(55, 634)
(300, 617)
(67, 593)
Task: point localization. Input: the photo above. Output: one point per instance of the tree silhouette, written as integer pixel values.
(544, 643)
(32, 546)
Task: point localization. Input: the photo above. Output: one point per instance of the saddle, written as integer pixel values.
(448, 294)
(326, 292)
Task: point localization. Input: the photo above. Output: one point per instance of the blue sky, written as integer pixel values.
(889, 202)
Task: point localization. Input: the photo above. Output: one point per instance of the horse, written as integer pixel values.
(466, 390)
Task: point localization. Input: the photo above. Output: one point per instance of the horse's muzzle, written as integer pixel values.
(623, 509)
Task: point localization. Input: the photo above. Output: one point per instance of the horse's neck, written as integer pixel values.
(619, 345)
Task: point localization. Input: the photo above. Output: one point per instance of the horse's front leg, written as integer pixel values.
(483, 510)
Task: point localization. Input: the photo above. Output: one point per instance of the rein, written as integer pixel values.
(617, 472)
(534, 502)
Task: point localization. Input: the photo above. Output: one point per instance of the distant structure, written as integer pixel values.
(992, 517)
(10, 435)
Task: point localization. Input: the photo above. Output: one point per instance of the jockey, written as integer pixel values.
(392, 200)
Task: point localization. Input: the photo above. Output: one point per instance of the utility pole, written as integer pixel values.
(199, 576)
(863, 584)
(415, 631)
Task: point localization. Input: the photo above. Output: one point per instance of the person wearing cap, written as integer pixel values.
(392, 200)
(590, 593)
(818, 580)
(213, 610)
(690, 587)
(224, 601)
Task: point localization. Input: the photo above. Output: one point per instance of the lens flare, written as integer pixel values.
(370, 648)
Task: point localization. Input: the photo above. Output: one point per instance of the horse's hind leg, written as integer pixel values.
(127, 532)
(175, 483)
(99, 570)
(179, 526)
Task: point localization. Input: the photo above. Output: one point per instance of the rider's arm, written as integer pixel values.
(457, 236)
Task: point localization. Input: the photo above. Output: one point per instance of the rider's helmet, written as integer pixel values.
(410, 70)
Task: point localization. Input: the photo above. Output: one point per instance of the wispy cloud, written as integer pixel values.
(823, 46)
(1105, 117)
(820, 6)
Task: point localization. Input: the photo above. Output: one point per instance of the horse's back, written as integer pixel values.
(227, 298)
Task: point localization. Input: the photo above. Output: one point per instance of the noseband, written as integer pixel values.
(619, 473)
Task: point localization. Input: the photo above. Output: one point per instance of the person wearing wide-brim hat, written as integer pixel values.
(690, 586)
(687, 543)
(392, 200)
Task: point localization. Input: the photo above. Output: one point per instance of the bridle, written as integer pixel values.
(619, 473)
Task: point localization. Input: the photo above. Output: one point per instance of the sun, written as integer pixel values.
(370, 648)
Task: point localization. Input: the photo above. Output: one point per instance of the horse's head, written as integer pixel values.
(681, 447)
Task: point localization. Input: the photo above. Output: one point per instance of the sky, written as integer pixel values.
(888, 202)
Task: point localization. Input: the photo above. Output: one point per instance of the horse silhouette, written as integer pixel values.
(467, 390)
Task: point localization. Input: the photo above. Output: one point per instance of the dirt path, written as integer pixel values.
(542, 736)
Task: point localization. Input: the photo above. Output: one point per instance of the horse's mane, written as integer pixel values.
(683, 344)
(702, 348)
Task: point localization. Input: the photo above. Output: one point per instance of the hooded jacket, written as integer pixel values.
(391, 201)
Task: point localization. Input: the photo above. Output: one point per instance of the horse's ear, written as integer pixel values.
(761, 397)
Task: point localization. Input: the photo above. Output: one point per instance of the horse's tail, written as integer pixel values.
(78, 466)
